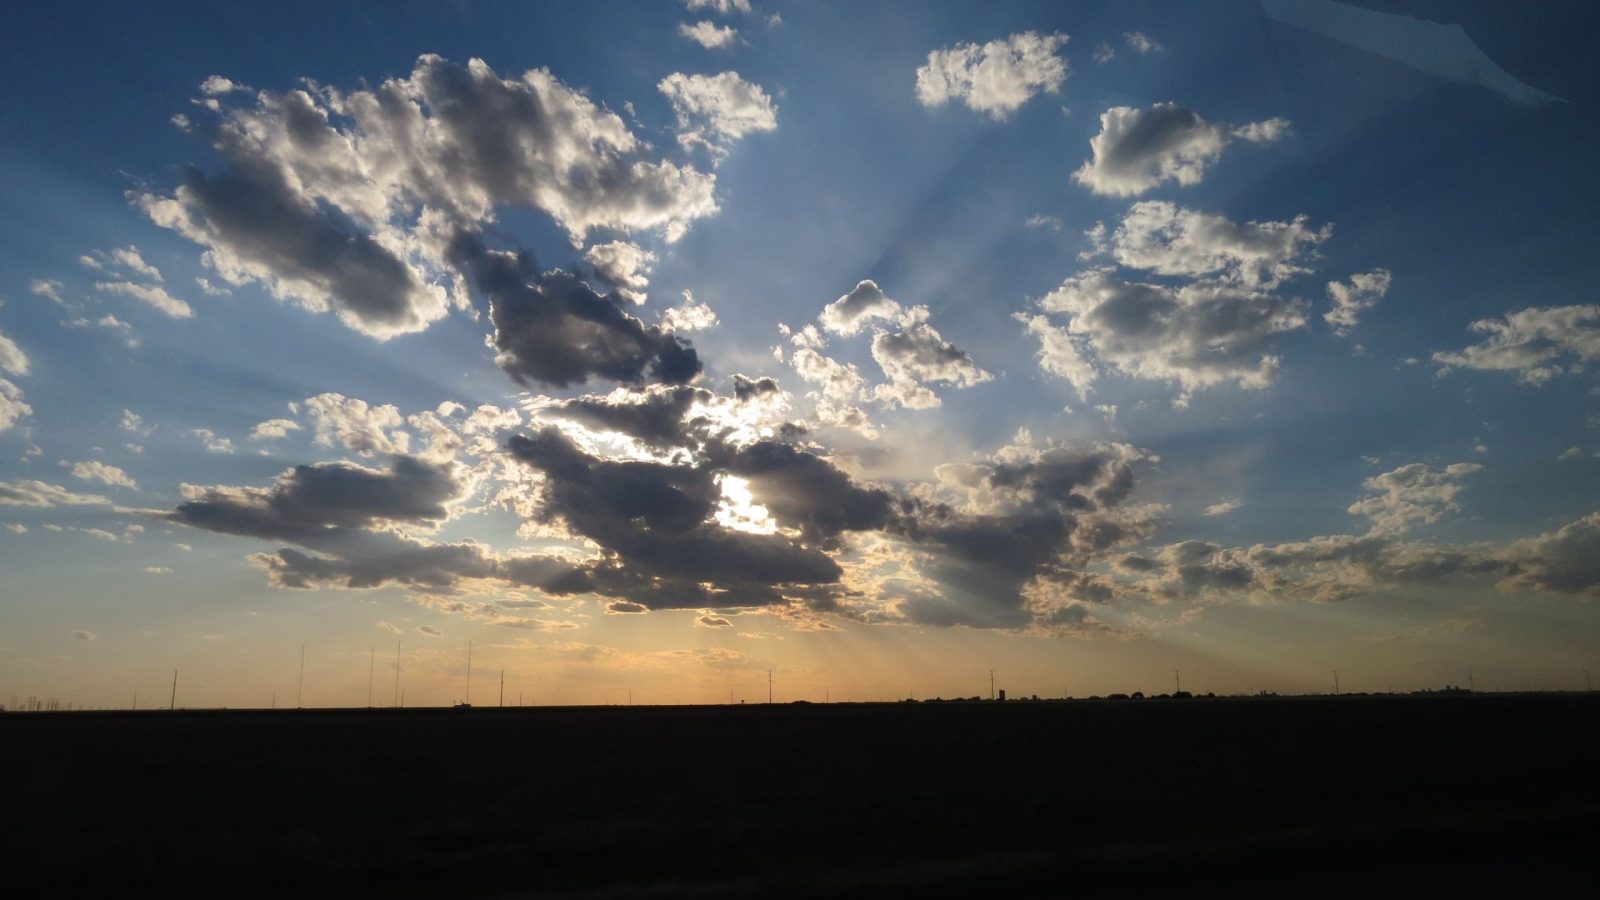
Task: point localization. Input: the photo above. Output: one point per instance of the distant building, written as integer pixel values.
(1002, 694)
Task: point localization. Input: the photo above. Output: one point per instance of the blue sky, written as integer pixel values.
(1107, 337)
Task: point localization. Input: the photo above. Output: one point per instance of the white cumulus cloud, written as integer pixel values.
(994, 78)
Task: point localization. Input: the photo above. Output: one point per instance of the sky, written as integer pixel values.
(651, 348)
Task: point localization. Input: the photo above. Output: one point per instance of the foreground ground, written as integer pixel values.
(1316, 795)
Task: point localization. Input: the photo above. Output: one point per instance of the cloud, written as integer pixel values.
(364, 560)
(429, 631)
(84, 635)
(212, 441)
(94, 470)
(993, 78)
(356, 425)
(158, 570)
(209, 289)
(311, 501)
(216, 84)
(1172, 241)
(12, 359)
(1531, 342)
(1014, 552)
(1169, 240)
(654, 522)
(1565, 561)
(721, 7)
(132, 421)
(1222, 508)
(708, 34)
(1266, 131)
(1199, 335)
(1138, 43)
(1104, 53)
(156, 297)
(715, 110)
(1059, 352)
(624, 264)
(1138, 149)
(44, 287)
(1411, 495)
(40, 494)
(853, 311)
(350, 201)
(130, 258)
(390, 627)
(552, 328)
(276, 429)
(915, 357)
(1042, 221)
(256, 228)
(655, 416)
(708, 621)
(1363, 292)
(688, 316)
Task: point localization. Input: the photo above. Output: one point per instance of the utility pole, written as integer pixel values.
(991, 684)
(502, 687)
(173, 704)
(397, 673)
(769, 687)
(469, 673)
(1177, 683)
(299, 691)
(372, 668)
(1336, 682)
(1471, 685)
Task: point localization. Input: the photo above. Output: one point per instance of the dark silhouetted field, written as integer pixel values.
(1322, 796)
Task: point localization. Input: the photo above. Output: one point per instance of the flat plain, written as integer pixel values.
(1316, 795)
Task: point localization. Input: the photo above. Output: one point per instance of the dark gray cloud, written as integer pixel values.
(1039, 515)
(552, 328)
(1565, 561)
(746, 389)
(256, 226)
(805, 492)
(379, 560)
(654, 524)
(656, 417)
(318, 500)
(346, 201)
